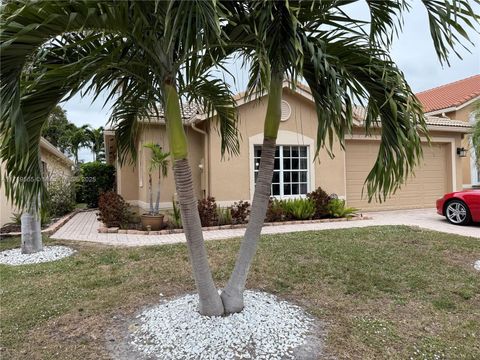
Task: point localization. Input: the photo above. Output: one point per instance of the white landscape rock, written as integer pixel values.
(49, 253)
(477, 265)
(267, 328)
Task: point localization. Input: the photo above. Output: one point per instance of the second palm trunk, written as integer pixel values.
(232, 296)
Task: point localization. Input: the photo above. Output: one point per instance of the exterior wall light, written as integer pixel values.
(462, 152)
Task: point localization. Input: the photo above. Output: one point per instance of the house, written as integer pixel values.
(297, 172)
(457, 100)
(54, 163)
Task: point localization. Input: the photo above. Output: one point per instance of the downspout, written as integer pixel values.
(206, 158)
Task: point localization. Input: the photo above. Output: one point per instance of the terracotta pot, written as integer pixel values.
(155, 222)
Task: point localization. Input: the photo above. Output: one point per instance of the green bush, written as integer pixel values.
(95, 178)
(320, 199)
(113, 210)
(61, 196)
(337, 209)
(299, 209)
(176, 215)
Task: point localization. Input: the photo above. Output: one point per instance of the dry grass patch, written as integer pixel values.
(384, 292)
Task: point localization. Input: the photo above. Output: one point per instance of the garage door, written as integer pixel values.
(432, 177)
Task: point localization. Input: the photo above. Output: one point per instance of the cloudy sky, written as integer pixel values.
(413, 51)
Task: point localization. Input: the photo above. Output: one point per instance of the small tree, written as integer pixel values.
(56, 129)
(159, 161)
(96, 142)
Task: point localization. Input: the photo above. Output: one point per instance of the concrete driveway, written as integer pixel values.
(424, 218)
(84, 226)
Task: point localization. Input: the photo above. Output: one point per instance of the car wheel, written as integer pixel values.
(457, 213)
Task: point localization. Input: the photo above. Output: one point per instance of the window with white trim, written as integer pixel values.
(291, 170)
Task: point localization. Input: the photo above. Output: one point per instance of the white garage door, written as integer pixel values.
(431, 180)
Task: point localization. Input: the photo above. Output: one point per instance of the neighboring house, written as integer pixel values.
(297, 172)
(54, 164)
(457, 100)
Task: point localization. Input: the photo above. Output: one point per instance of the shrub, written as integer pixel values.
(320, 198)
(176, 215)
(61, 196)
(95, 178)
(299, 209)
(16, 218)
(207, 208)
(113, 210)
(224, 216)
(337, 209)
(275, 211)
(240, 211)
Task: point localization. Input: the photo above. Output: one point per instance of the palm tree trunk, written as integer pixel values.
(31, 231)
(150, 190)
(232, 295)
(157, 202)
(210, 303)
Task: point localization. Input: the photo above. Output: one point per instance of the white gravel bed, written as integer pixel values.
(267, 328)
(49, 253)
(476, 266)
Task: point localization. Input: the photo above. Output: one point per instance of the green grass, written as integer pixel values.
(384, 292)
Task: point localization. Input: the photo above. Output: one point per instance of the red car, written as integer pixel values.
(460, 207)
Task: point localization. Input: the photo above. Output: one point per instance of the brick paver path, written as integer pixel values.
(83, 227)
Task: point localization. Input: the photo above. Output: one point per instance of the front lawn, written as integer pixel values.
(383, 292)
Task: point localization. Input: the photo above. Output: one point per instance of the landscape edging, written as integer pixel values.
(116, 230)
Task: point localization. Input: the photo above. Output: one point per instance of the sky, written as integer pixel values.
(413, 52)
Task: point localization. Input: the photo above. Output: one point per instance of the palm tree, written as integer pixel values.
(77, 138)
(160, 162)
(342, 63)
(96, 142)
(152, 48)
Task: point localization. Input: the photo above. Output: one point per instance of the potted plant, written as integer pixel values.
(153, 220)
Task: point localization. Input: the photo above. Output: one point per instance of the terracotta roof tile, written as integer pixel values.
(450, 95)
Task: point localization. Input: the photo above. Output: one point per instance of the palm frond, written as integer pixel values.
(342, 72)
(448, 21)
(216, 99)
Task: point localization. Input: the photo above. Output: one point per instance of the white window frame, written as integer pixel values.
(287, 138)
(281, 170)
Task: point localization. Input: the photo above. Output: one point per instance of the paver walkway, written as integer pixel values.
(83, 227)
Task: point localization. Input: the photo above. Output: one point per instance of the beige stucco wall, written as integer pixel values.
(231, 178)
(55, 167)
(464, 115)
(6, 208)
(127, 180)
(132, 180)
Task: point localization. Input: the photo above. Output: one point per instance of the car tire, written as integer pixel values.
(457, 212)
